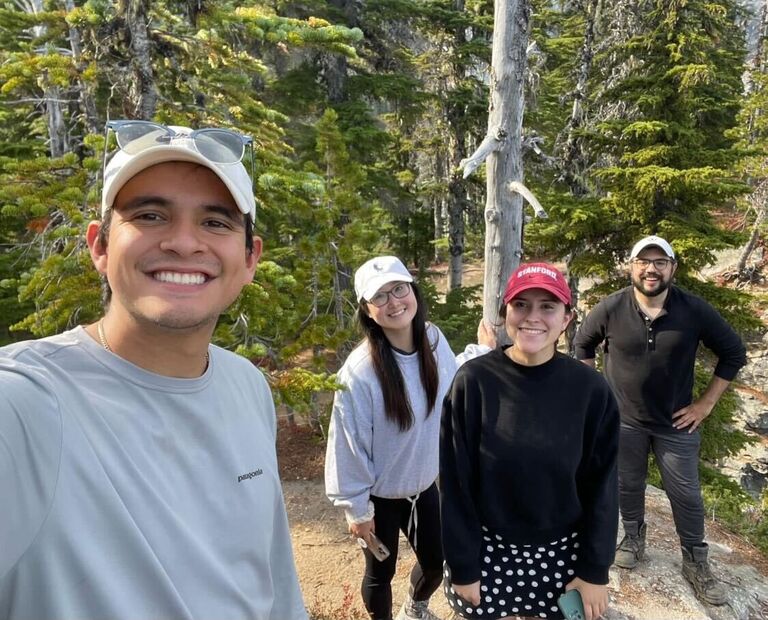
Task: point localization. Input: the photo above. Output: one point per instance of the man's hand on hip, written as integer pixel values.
(691, 416)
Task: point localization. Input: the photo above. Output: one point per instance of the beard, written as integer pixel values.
(663, 285)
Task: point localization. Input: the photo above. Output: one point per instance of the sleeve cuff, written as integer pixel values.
(726, 372)
(351, 520)
(464, 576)
(471, 351)
(592, 573)
(583, 353)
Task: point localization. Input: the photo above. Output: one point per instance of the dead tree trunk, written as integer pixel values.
(457, 189)
(757, 199)
(58, 136)
(87, 103)
(439, 207)
(457, 202)
(573, 164)
(504, 209)
(756, 65)
(752, 243)
(143, 90)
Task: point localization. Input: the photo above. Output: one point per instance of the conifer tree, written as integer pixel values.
(174, 62)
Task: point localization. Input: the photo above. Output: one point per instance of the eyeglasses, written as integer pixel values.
(398, 292)
(659, 263)
(221, 146)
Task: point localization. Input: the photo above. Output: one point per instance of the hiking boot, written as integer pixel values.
(631, 549)
(696, 571)
(415, 610)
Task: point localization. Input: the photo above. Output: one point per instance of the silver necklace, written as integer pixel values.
(105, 344)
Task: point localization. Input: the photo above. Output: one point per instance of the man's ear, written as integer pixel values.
(95, 247)
(252, 259)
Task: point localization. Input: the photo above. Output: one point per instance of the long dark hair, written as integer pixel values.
(397, 407)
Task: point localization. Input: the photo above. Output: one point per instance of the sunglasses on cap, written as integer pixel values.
(220, 146)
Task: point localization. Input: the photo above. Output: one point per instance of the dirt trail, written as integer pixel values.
(330, 563)
(330, 567)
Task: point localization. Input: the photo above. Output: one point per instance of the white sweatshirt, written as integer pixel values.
(367, 454)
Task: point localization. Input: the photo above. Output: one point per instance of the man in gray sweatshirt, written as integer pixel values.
(138, 474)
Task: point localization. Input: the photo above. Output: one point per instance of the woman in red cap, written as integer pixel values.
(529, 498)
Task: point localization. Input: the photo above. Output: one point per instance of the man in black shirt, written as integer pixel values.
(650, 333)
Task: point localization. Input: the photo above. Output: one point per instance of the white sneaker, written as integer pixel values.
(421, 608)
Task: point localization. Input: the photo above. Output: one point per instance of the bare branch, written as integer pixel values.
(492, 142)
(516, 186)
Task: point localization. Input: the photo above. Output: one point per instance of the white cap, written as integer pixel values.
(377, 272)
(124, 166)
(651, 241)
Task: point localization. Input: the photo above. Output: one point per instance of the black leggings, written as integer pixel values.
(393, 516)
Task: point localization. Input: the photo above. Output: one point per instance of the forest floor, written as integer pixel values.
(330, 564)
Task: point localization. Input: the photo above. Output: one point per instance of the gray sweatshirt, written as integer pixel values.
(129, 495)
(367, 454)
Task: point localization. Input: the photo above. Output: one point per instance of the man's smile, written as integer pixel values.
(175, 277)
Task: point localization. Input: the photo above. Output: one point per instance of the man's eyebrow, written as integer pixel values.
(228, 213)
(140, 201)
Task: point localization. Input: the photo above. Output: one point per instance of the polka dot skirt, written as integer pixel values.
(519, 580)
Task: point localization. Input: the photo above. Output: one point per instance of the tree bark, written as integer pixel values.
(58, 138)
(456, 207)
(87, 103)
(457, 190)
(143, 91)
(573, 164)
(439, 207)
(335, 67)
(504, 212)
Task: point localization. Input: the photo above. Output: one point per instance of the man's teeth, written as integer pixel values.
(179, 278)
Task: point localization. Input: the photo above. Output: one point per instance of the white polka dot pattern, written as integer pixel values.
(531, 586)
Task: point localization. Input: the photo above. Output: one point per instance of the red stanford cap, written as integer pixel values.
(537, 275)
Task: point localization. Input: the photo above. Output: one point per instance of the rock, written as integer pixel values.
(752, 480)
(759, 424)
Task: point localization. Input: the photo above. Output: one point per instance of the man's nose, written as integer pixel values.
(184, 238)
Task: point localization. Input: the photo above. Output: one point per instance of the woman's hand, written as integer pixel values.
(594, 597)
(362, 530)
(469, 592)
(486, 334)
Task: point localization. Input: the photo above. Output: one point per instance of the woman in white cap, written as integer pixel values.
(528, 484)
(382, 457)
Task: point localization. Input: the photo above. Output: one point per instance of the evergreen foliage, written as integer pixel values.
(360, 113)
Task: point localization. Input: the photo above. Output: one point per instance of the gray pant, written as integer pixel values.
(677, 455)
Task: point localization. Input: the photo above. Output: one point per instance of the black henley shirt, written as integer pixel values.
(650, 363)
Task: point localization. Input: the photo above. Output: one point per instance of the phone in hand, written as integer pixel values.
(571, 605)
(376, 547)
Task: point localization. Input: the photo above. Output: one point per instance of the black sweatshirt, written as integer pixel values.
(530, 453)
(650, 363)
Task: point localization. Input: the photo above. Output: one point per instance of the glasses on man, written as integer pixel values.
(398, 292)
(659, 263)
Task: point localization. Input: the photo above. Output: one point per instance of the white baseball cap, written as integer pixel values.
(377, 272)
(652, 241)
(124, 166)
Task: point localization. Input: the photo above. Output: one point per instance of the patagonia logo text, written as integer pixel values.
(249, 475)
